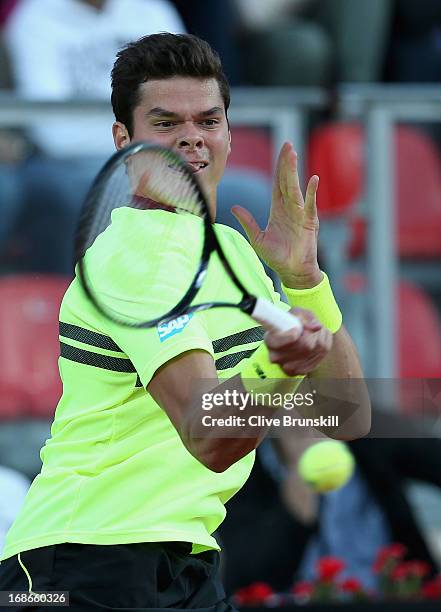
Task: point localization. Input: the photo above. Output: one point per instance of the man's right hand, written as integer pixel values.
(178, 386)
(300, 353)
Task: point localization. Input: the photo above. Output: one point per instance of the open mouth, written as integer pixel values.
(196, 166)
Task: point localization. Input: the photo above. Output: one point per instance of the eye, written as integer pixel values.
(164, 124)
(210, 122)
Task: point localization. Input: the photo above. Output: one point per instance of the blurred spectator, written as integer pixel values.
(5, 69)
(13, 147)
(62, 50)
(313, 42)
(69, 56)
(217, 23)
(298, 527)
(360, 32)
(415, 53)
(373, 509)
(6, 8)
(282, 47)
(13, 489)
(353, 528)
(280, 508)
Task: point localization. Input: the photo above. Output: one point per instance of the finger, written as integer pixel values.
(277, 339)
(315, 346)
(303, 363)
(292, 181)
(327, 339)
(248, 222)
(311, 198)
(297, 368)
(309, 345)
(279, 179)
(324, 338)
(313, 326)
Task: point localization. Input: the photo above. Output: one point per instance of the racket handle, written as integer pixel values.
(271, 317)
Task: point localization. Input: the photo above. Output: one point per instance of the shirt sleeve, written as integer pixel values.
(149, 349)
(140, 268)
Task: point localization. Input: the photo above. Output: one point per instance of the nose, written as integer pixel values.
(190, 137)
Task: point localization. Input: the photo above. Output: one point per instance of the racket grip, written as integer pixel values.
(271, 317)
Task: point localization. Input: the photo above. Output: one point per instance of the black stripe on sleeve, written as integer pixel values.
(86, 336)
(229, 361)
(115, 364)
(97, 360)
(255, 334)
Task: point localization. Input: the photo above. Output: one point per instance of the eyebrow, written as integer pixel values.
(162, 112)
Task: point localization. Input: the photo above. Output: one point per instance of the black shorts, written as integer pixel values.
(143, 576)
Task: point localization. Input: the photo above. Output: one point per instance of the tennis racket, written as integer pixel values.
(146, 223)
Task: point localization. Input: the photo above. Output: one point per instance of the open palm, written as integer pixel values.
(288, 244)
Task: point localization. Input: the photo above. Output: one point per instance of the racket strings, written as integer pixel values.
(114, 195)
(139, 266)
(162, 180)
(147, 180)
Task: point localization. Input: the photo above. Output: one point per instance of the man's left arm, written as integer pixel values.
(338, 381)
(288, 245)
(343, 382)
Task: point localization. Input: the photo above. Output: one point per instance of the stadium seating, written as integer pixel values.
(336, 153)
(418, 329)
(419, 352)
(419, 334)
(418, 183)
(252, 149)
(29, 380)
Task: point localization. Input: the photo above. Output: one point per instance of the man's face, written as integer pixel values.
(187, 115)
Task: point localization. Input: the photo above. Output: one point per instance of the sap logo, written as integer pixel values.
(167, 330)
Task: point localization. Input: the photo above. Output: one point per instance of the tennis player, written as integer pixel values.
(123, 512)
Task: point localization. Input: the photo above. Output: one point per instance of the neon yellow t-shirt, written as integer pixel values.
(114, 469)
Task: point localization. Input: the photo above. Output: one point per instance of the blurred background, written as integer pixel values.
(355, 85)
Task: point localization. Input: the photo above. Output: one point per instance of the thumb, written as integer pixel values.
(248, 222)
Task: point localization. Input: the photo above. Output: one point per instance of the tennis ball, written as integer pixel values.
(326, 465)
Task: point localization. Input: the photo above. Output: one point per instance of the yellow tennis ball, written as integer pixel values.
(326, 465)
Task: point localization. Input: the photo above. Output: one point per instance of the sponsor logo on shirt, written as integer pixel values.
(167, 330)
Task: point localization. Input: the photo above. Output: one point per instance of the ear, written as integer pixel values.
(121, 136)
(229, 141)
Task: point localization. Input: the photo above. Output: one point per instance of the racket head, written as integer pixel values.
(144, 209)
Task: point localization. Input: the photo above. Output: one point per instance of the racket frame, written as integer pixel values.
(210, 244)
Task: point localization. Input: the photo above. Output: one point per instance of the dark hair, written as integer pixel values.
(161, 56)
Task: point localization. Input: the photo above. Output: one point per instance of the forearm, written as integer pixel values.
(342, 360)
(342, 363)
(351, 399)
(231, 427)
(219, 422)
